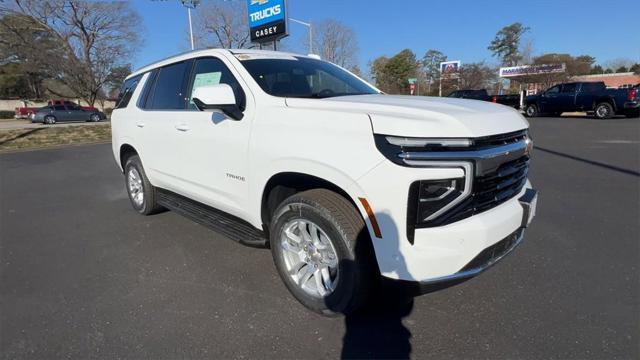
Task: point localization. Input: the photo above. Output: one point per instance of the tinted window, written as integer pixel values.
(304, 77)
(211, 71)
(569, 88)
(148, 89)
(168, 91)
(59, 108)
(592, 87)
(553, 90)
(126, 91)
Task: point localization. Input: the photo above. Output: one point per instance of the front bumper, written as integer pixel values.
(483, 261)
(437, 253)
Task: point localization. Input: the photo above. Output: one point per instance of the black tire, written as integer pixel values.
(94, 118)
(343, 225)
(531, 110)
(49, 120)
(604, 110)
(149, 204)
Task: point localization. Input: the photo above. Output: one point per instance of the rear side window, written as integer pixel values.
(59, 108)
(569, 88)
(591, 87)
(169, 90)
(126, 91)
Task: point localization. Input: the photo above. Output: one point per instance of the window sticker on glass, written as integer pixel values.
(205, 79)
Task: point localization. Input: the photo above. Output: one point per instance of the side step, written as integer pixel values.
(218, 221)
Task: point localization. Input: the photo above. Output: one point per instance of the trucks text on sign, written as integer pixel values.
(267, 20)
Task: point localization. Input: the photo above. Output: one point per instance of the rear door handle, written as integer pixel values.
(182, 127)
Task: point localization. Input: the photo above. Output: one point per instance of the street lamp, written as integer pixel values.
(308, 25)
(190, 4)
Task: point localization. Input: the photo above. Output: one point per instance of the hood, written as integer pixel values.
(418, 116)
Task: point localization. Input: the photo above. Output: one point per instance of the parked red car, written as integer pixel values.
(25, 112)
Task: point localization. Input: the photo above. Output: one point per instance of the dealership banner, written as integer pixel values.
(450, 67)
(532, 69)
(267, 20)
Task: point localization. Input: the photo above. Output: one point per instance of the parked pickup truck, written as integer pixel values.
(590, 97)
(482, 94)
(343, 183)
(26, 112)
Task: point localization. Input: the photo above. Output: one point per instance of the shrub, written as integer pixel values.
(7, 114)
(107, 112)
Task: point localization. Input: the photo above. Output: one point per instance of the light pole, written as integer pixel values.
(190, 4)
(308, 25)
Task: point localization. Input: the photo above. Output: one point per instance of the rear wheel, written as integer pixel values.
(94, 117)
(321, 248)
(531, 110)
(604, 111)
(141, 193)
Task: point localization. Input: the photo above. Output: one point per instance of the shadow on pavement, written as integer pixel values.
(591, 162)
(376, 331)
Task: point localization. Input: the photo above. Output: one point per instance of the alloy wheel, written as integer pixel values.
(309, 257)
(134, 184)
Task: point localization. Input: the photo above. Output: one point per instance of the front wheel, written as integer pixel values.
(322, 251)
(531, 111)
(604, 111)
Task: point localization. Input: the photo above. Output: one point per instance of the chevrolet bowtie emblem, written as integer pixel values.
(259, 2)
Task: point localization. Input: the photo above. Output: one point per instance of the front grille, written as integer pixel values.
(489, 191)
(497, 140)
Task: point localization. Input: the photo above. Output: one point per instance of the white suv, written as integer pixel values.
(342, 182)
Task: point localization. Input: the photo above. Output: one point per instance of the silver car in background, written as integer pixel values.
(68, 112)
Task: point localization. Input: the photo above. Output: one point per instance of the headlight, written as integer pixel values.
(423, 143)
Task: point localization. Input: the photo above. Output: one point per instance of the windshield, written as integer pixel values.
(302, 77)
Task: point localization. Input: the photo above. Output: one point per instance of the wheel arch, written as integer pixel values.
(605, 99)
(284, 184)
(125, 152)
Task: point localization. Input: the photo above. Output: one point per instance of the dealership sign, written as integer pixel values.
(450, 67)
(267, 20)
(532, 70)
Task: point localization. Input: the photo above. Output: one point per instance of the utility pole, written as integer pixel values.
(190, 4)
(308, 25)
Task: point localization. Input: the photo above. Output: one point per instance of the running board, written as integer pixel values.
(216, 220)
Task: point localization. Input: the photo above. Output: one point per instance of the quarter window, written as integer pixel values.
(126, 91)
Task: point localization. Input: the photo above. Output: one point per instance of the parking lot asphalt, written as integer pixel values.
(83, 276)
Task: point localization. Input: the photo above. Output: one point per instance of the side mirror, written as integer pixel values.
(220, 97)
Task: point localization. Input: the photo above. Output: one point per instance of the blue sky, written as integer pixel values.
(461, 29)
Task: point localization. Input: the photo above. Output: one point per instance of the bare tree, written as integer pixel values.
(615, 64)
(93, 38)
(222, 25)
(336, 42)
(477, 76)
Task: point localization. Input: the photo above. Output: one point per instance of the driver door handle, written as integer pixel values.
(182, 127)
